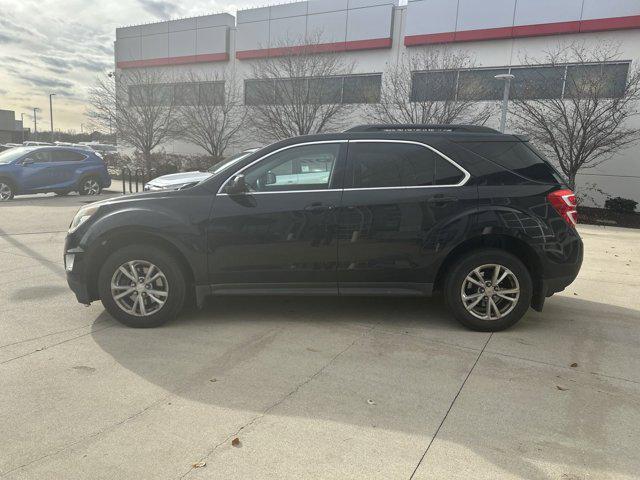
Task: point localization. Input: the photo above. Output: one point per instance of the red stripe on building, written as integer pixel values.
(543, 29)
(614, 23)
(429, 38)
(368, 44)
(539, 30)
(184, 60)
(484, 34)
(322, 48)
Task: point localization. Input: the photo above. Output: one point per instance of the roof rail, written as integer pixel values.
(420, 126)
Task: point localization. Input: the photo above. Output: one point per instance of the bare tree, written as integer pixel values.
(577, 109)
(211, 110)
(139, 105)
(298, 92)
(425, 87)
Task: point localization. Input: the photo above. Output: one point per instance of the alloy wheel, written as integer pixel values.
(490, 292)
(5, 192)
(91, 187)
(139, 288)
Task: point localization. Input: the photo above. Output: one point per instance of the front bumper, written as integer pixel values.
(74, 267)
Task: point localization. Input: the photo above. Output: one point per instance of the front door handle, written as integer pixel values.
(439, 200)
(318, 207)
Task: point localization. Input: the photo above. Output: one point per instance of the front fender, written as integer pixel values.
(185, 233)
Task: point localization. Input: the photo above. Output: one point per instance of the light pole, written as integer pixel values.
(35, 123)
(507, 77)
(51, 113)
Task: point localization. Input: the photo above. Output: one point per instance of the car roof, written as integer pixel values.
(413, 135)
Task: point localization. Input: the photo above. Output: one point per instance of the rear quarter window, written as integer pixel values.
(517, 157)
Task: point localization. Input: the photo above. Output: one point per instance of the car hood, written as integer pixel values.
(179, 178)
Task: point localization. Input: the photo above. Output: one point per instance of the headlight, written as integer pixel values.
(84, 214)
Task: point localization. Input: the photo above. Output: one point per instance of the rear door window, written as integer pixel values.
(517, 157)
(66, 156)
(390, 164)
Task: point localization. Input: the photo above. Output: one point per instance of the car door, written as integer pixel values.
(281, 234)
(404, 203)
(36, 172)
(64, 163)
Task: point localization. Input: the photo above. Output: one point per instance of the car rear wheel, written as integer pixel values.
(488, 290)
(142, 286)
(89, 186)
(6, 191)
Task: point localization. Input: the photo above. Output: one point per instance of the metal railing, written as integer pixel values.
(136, 179)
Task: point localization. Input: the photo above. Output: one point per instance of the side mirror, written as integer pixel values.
(237, 185)
(28, 161)
(270, 178)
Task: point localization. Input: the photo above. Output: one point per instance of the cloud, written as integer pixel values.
(41, 81)
(160, 8)
(60, 46)
(4, 38)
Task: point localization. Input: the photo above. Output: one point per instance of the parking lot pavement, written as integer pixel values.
(314, 388)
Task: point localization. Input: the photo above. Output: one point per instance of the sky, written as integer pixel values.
(62, 46)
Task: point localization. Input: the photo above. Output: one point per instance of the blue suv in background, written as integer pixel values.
(25, 170)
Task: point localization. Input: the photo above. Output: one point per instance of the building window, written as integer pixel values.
(607, 80)
(178, 94)
(539, 82)
(480, 84)
(319, 90)
(434, 86)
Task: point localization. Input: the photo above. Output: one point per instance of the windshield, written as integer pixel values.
(12, 154)
(228, 162)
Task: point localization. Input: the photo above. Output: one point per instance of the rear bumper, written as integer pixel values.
(560, 276)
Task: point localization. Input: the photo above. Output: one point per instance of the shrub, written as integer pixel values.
(620, 205)
(163, 163)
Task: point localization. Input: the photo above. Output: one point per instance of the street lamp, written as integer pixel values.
(507, 77)
(51, 113)
(35, 123)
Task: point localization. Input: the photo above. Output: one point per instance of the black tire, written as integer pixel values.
(89, 186)
(7, 190)
(166, 263)
(456, 280)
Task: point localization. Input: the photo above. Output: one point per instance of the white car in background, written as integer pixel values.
(175, 181)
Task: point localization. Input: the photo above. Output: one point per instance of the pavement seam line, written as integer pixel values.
(279, 402)
(32, 258)
(19, 342)
(55, 345)
(88, 437)
(563, 367)
(450, 407)
(31, 233)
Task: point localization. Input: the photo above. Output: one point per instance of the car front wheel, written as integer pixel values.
(488, 290)
(142, 286)
(89, 186)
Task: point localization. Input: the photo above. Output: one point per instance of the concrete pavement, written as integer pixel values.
(314, 388)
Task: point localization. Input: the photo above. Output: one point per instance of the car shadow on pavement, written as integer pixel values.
(248, 354)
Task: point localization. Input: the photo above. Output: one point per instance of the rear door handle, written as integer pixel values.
(318, 207)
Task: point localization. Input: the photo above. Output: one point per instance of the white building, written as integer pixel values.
(375, 33)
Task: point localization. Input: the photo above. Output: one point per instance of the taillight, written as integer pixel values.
(564, 201)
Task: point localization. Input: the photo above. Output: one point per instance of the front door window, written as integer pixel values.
(307, 167)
